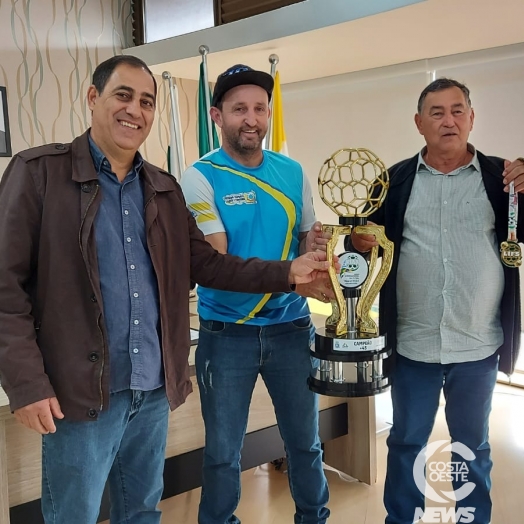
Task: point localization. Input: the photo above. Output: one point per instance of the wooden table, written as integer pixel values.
(4, 485)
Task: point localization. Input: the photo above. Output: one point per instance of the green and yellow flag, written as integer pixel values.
(203, 136)
(278, 138)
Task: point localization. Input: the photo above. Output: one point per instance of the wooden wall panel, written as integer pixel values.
(233, 10)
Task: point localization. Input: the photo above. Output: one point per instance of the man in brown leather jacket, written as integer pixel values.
(98, 251)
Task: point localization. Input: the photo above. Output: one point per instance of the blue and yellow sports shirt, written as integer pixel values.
(262, 210)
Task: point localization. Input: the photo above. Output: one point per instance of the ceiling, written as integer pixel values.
(424, 30)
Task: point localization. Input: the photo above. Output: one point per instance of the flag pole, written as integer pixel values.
(273, 60)
(176, 142)
(204, 50)
(431, 74)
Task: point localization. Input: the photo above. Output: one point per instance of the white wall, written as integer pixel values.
(48, 51)
(375, 109)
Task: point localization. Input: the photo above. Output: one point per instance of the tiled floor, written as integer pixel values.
(266, 499)
(265, 493)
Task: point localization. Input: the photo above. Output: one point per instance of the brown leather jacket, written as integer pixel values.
(52, 335)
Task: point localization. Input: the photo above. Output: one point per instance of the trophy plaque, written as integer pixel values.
(352, 351)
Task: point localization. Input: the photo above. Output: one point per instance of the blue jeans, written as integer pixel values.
(229, 358)
(126, 446)
(468, 390)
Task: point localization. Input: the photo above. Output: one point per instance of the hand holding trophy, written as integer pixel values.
(353, 183)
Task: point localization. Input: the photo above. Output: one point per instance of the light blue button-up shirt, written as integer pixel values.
(127, 280)
(450, 278)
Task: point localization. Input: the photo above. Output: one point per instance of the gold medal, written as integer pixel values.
(511, 254)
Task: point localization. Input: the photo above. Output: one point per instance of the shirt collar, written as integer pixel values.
(99, 158)
(474, 162)
(242, 167)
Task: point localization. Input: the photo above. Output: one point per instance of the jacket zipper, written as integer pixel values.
(159, 301)
(103, 363)
(98, 320)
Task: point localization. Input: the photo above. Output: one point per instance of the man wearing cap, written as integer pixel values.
(253, 202)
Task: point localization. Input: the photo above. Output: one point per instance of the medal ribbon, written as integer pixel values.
(513, 212)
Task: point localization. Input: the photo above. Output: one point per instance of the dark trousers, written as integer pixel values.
(468, 390)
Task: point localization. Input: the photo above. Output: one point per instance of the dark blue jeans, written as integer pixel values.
(468, 390)
(126, 446)
(229, 359)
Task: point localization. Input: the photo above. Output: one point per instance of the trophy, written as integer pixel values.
(353, 183)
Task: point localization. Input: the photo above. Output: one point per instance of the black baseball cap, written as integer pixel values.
(239, 75)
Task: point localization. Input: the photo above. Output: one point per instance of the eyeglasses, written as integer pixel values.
(230, 72)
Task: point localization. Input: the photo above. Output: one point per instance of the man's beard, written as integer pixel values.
(243, 146)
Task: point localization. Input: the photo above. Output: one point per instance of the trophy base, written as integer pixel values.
(350, 366)
(322, 384)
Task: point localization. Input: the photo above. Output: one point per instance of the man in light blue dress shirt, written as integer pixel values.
(450, 307)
